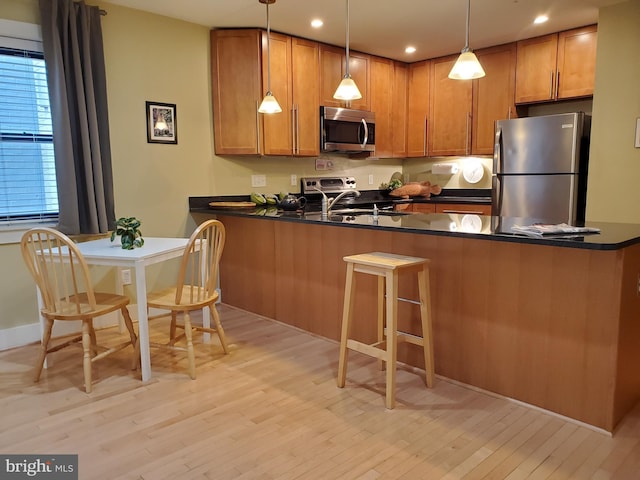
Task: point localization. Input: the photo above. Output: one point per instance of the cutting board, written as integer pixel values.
(232, 204)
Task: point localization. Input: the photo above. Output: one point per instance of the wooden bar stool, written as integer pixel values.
(387, 266)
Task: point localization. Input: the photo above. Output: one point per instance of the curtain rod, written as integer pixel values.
(103, 12)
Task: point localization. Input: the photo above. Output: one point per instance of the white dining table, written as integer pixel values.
(154, 250)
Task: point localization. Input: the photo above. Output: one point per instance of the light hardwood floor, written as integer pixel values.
(271, 410)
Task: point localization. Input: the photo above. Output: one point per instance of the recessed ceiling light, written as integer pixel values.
(410, 49)
(540, 19)
(316, 23)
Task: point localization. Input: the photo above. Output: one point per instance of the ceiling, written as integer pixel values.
(385, 28)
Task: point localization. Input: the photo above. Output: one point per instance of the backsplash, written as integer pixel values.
(472, 172)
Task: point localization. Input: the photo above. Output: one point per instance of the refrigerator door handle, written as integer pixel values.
(496, 204)
(497, 151)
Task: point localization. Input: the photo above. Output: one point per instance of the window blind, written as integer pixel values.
(28, 189)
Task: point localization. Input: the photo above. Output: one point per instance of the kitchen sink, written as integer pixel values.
(365, 211)
(349, 215)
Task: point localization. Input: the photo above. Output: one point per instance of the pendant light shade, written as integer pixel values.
(347, 90)
(269, 103)
(467, 67)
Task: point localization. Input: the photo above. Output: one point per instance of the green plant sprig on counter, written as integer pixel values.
(128, 229)
(392, 185)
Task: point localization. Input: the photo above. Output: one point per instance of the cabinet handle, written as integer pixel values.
(509, 114)
(551, 85)
(258, 129)
(297, 131)
(293, 129)
(424, 137)
(557, 83)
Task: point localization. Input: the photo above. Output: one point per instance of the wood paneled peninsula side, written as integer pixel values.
(552, 323)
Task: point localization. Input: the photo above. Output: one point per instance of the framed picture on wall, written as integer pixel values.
(161, 123)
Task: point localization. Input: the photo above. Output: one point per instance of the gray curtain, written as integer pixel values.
(73, 52)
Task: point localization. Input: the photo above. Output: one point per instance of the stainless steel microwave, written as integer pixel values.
(343, 130)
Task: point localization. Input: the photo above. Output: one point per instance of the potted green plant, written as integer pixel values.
(128, 229)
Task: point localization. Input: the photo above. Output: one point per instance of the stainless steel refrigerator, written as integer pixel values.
(540, 168)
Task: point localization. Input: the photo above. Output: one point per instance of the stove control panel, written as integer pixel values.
(311, 185)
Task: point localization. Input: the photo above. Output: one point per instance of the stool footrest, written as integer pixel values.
(370, 350)
(408, 338)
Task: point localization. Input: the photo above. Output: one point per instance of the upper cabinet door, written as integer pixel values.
(493, 95)
(576, 62)
(450, 111)
(557, 66)
(331, 66)
(306, 97)
(381, 104)
(418, 108)
(359, 71)
(236, 91)
(399, 109)
(332, 69)
(278, 135)
(536, 69)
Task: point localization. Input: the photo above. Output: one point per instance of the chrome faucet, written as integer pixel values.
(327, 202)
(333, 201)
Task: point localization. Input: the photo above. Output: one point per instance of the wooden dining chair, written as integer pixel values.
(63, 280)
(195, 289)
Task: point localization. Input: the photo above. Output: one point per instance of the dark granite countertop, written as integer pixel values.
(458, 195)
(612, 236)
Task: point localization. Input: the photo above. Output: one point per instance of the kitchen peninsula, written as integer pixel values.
(554, 323)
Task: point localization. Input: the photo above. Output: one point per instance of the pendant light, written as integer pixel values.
(269, 103)
(347, 90)
(467, 66)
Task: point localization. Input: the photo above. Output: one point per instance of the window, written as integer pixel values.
(28, 188)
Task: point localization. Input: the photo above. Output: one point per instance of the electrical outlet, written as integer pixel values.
(370, 179)
(125, 276)
(294, 180)
(258, 180)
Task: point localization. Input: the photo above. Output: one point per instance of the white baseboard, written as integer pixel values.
(25, 334)
(30, 333)
(19, 336)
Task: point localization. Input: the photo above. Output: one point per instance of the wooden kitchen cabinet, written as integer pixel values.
(450, 111)
(463, 208)
(557, 66)
(493, 95)
(277, 133)
(418, 108)
(576, 62)
(332, 69)
(306, 96)
(399, 109)
(239, 82)
(381, 104)
(389, 102)
(295, 84)
(236, 91)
